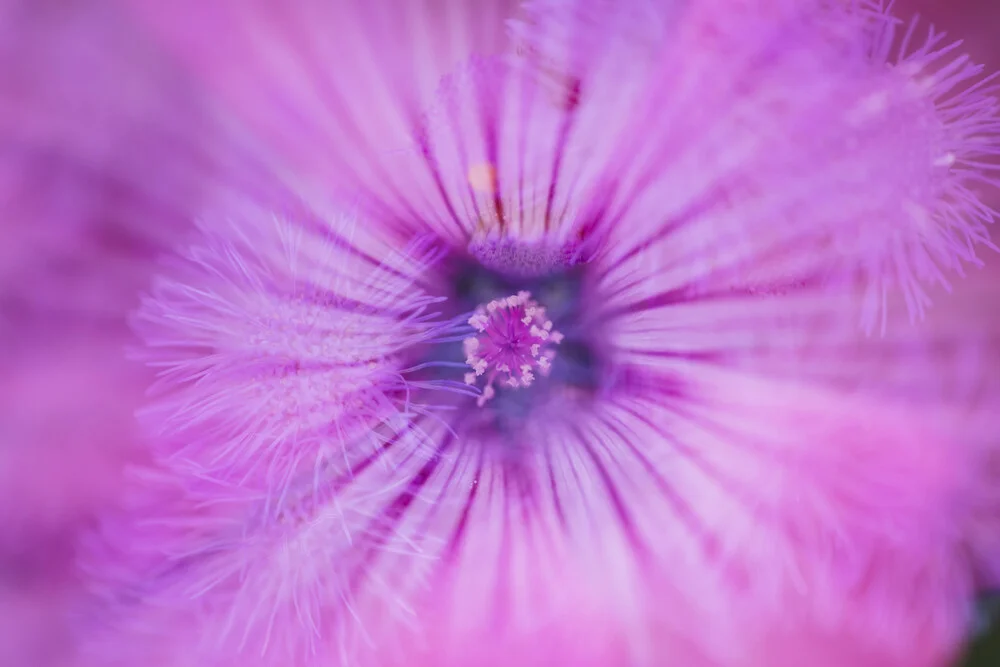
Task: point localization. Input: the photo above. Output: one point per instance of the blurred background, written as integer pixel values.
(977, 23)
(105, 153)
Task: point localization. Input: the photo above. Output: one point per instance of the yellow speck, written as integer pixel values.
(483, 177)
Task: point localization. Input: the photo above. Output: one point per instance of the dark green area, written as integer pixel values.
(985, 649)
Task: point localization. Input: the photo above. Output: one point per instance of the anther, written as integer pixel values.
(513, 340)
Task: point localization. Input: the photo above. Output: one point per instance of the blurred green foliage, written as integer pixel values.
(985, 650)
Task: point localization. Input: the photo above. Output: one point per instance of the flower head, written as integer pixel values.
(584, 357)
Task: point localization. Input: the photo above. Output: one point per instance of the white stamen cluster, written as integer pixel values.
(514, 335)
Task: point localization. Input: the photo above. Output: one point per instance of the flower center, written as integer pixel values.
(514, 340)
(525, 259)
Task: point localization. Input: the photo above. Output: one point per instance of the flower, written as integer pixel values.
(94, 184)
(577, 377)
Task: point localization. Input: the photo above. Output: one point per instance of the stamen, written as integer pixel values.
(513, 341)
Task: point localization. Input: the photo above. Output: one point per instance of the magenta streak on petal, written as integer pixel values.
(383, 528)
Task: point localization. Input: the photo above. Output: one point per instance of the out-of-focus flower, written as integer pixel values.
(576, 377)
(97, 170)
(98, 176)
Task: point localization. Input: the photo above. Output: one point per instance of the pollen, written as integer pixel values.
(514, 341)
(483, 177)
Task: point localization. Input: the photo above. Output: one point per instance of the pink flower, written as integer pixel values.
(576, 377)
(94, 184)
